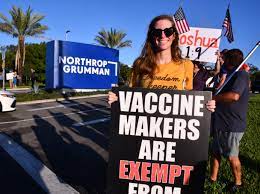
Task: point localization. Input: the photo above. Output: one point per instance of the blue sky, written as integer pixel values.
(84, 18)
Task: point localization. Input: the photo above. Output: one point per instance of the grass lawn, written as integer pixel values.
(249, 156)
(18, 87)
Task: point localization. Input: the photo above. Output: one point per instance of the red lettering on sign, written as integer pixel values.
(145, 172)
(198, 40)
(123, 169)
(187, 170)
(134, 170)
(159, 173)
(175, 171)
(154, 172)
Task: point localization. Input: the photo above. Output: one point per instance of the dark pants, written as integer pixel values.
(33, 82)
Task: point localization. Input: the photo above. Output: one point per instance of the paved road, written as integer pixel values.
(61, 146)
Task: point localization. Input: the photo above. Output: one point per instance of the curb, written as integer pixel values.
(60, 99)
(18, 89)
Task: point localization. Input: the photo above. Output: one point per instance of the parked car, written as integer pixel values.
(7, 101)
(255, 86)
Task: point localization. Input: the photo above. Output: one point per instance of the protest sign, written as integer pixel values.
(159, 142)
(200, 44)
(9, 76)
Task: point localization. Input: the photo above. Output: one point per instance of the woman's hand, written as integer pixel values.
(211, 105)
(112, 97)
(218, 54)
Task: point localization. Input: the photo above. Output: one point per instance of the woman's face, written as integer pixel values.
(196, 68)
(221, 59)
(163, 42)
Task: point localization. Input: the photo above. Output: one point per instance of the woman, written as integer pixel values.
(220, 72)
(200, 76)
(160, 65)
(15, 80)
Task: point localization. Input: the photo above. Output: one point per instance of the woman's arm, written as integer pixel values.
(189, 75)
(222, 80)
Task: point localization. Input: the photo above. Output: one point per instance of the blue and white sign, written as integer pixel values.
(80, 66)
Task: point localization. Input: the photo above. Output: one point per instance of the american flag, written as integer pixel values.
(181, 22)
(227, 25)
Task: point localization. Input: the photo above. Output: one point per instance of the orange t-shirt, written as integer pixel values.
(173, 76)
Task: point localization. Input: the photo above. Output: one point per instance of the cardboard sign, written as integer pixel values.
(80, 66)
(9, 76)
(200, 44)
(159, 142)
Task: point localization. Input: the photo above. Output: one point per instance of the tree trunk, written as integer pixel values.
(17, 55)
(20, 57)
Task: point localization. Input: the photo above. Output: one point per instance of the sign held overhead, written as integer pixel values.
(200, 44)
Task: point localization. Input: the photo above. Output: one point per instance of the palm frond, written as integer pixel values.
(35, 18)
(5, 19)
(112, 39)
(36, 29)
(17, 15)
(101, 38)
(4, 27)
(127, 43)
(26, 20)
(101, 41)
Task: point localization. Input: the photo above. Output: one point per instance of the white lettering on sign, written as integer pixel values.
(77, 65)
(138, 188)
(158, 151)
(167, 104)
(173, 128)
(164, 104)
(85, 70)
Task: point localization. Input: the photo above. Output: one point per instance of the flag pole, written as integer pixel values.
(181, 2)
(209, 46)
(213, 41)
(222, 33)
(237, 69)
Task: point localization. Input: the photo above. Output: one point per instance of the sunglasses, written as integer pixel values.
(158, 32)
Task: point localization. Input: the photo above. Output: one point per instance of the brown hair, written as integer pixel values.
(233, 57)
(223, 53)
(145, 64)
(198, 63)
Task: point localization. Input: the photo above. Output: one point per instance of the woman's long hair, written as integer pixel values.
(145, 65)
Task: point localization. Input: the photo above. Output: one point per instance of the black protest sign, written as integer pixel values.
(159, 142)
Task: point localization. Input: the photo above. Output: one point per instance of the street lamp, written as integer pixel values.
(66, 34)
(3, 51)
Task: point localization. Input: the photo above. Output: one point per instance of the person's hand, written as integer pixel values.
(112, 97)
(211, 105)
(217, 53)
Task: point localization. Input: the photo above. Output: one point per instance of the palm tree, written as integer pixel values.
(21, 25)
(112, 39)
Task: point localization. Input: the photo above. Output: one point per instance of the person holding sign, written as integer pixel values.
(220, 60)
(200, 76)
(160, 65)
(220, 72)
(230, 119)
